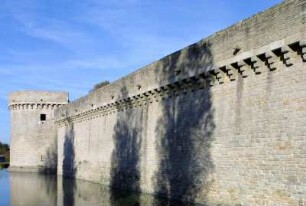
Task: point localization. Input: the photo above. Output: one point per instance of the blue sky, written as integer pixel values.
(71, 45)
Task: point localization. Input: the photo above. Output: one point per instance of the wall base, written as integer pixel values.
(32, 169)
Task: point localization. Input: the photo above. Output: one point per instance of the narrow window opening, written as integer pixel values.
(43, 117)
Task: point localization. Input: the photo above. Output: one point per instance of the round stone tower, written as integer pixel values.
(33, 132)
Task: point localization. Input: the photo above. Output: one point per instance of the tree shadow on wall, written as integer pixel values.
(125, 172)
(185, 131)
(68, 167)
(49, 161)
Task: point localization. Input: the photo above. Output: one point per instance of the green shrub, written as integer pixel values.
(5, 150)
(99, 85)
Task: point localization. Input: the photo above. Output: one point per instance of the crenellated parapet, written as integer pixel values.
(269, 58)
(36, 100)
(33, 106)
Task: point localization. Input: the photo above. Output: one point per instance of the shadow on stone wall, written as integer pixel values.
(183, 137)
(125, 171)
(68, 167)
(49, 161)
(184, 133)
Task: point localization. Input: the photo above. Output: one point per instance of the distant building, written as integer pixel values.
(2, 158)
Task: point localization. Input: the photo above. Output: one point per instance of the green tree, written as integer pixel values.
(5, 150)
(99, 85)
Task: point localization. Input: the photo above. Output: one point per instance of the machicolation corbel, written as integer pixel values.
(257, 64)
(243, 68)
(219, 75)
(272, 60)
(231, 72)
(302, 45)
(288, 55)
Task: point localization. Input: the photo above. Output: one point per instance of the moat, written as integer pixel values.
(39, 189)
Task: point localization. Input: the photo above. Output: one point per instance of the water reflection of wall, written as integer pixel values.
(40, 189)
(71, 192)
(32, 189)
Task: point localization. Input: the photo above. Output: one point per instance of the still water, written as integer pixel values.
(37, 189)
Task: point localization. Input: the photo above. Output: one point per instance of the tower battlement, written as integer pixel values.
(36, 99)
(33, 133)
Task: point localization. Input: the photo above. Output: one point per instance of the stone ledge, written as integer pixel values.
(246, 64)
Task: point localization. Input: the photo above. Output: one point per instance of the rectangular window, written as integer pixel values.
(43, 117)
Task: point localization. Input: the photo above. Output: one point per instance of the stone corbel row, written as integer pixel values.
(258, 63)
(85, 116)
(255, 64)
(32, 106)
(139, 100)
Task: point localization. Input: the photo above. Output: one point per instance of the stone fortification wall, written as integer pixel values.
(219, 122)
(33, 137)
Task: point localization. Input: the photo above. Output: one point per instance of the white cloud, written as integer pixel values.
(97, 40)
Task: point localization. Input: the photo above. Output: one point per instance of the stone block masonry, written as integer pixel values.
(33, 132)
(220, 122)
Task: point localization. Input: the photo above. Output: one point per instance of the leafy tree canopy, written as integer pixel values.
(99, 85)
(5, 150)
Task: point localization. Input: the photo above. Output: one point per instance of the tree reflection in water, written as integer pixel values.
(39, 189)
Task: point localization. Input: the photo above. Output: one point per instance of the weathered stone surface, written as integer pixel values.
(194, 133)
(34, 142)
